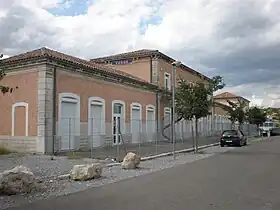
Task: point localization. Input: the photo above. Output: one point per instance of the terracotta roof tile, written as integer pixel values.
(45, 52)
(226, 95)
(142, 52)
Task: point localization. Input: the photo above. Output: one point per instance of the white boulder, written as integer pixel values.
(86, 172)
(18, 180)
(131, 161)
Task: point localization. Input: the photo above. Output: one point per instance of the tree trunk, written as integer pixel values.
(193, 137)
(196, 135)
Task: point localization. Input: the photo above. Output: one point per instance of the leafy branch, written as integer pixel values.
(3, 88)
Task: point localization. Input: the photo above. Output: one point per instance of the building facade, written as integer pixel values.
(223, 99)
(65, 103)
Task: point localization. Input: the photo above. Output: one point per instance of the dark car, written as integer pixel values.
(233, 137)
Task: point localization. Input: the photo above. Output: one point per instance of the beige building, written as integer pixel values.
(224, 97)
(65, 103)
(151, 66)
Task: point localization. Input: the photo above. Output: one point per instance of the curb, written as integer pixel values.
(253, 139)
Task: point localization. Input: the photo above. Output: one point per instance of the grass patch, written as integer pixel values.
(73, 155)
(4, 151)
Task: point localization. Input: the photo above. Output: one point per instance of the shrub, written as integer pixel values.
(4, 151)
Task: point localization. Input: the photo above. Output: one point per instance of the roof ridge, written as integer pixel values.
(143, 50)
(46, 52)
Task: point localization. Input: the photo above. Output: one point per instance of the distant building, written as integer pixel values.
(224, 97)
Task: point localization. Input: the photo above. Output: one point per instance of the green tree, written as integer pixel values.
(255, 115)
(194, 100)
(236, 111)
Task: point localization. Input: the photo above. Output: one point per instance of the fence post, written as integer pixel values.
(157, 135)
(91, 146)
(182, 131)
(69, 134)
(140, 138)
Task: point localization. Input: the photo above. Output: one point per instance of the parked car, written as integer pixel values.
(233, 137)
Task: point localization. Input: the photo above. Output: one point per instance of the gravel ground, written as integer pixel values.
(42, 165)
(55, 187)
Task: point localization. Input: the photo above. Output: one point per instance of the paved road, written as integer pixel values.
(244, 178)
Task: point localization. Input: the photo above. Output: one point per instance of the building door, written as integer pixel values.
(68, 121)
(136, 123)
(118, 122)
(150, 124)
(95, 121)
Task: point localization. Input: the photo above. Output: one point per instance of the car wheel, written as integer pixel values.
(222, 145)
(245, 143)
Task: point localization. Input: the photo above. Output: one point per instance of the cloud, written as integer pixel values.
(236, 39)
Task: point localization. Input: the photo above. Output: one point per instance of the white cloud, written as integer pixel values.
(215, 37)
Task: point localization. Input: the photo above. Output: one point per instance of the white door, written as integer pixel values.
(117, 129)
(67, 125)
(118, 122)
(150, 125)
(96, 124)
(135, 124)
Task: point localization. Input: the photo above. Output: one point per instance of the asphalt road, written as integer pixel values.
(244, 178)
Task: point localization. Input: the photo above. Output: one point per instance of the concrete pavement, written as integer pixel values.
(244, 178)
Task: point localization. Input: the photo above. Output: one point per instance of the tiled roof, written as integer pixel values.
(48, 53)
(140, 53)
(144, 53)
(226, 95)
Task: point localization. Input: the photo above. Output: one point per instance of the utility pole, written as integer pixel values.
(173, 137)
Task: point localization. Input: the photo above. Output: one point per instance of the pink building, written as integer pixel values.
(92, 102)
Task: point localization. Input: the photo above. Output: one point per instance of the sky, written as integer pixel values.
(236, 39)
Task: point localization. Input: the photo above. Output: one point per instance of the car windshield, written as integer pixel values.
(230, 133)
(268, 124)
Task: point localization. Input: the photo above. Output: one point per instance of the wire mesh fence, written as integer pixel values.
(101, 139)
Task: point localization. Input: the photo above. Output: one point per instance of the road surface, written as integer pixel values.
(244, 178)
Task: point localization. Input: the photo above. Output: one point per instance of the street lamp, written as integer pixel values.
(174, 65)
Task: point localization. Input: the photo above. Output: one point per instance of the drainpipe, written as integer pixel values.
(54, 112)
(157, 119)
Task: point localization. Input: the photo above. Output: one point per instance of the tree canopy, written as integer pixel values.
(3, 88)
(256, 115)
(236, 111)
(194, 98)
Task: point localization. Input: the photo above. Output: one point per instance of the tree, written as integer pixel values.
(236, 111)
(194, 99)
(256, 115)
(3, 88)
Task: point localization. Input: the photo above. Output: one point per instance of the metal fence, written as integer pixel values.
(100, 138)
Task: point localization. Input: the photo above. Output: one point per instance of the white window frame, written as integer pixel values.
(124, 115)
(167, 85)
(151, 108)
(98, 101)
(167, 109)
(14, 106)
(72, 98)
(133, 106)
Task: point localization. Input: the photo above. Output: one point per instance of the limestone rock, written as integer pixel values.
(131, 161)
(18, 180)
(86, 172)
